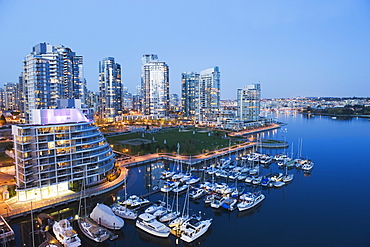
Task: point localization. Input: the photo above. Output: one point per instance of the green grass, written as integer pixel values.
(190, 144)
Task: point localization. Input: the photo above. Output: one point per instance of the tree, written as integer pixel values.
(2, 120)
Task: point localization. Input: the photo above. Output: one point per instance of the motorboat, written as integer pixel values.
(307, 165)
(288, 178)
(135, 201)
(103, 215)
(217, 201)
(169, 216)
(147, 222)
(166, 174)
(257, 180)
(93, 232)
(168, 186)
(250, 202)
(193, 228)
(249, 178)
(278, 184)
(197, 193)
(180, 189)
(124, 212)
(229, 204)
(193, 180)
(155, 207)
(65, 234)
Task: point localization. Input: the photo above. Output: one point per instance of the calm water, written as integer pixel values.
(329, 207)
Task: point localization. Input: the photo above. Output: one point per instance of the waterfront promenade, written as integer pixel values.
(12, 208)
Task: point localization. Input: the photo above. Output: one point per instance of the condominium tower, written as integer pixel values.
(248, 99)
(51, 73)
(155, 86)
(59, 149)
(189, 84)
(110, 98)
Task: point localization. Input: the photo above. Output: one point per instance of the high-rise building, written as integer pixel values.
(207, 104)
(249, 99)
(155, 86)
(51, 73)
(110, 98)
(189, 84)
(12, 96)
(2, 99)
(57, 151)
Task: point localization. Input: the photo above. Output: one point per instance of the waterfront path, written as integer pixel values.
(12, 208)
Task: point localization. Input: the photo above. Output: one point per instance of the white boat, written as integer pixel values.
(197, 193)
(65, 234)
(278, 184)
(166, 174)
(193, 180)
(135, 201)
(257, 180)
(217, 201)
(93, 232)
(175, 223)
(168, 186)
(124, 212)
(229, 204)
(155, 207)
(103, 215)
(193, 228)
(148, 223)
(160, 211)
(250, 202)
(307, 165)
(288, 178)
(177, 176)
(180, 189)
(169, 216)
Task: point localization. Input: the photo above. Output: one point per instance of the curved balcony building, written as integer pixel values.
(57, 151)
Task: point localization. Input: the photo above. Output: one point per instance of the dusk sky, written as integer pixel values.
(293, 48)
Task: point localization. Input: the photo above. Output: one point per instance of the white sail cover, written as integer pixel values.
(103, 215)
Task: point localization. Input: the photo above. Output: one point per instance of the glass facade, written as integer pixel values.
(156, 89)
(110, 99)
(51, 158)
(249, 102)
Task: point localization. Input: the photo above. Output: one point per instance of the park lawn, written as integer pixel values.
(190, 142)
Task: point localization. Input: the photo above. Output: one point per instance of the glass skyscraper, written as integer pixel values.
(155, 86)
(249, 99)
(189, 83)
(110, 99)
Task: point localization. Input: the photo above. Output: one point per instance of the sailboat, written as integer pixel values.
(87, 227)
(123, 211)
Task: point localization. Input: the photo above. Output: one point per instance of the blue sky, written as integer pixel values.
(293, 48)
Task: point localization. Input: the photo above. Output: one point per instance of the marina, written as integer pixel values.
(284, 207)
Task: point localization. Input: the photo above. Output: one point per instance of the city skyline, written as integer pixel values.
(310, 48)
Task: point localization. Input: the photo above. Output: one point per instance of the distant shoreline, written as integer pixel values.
(335, 115)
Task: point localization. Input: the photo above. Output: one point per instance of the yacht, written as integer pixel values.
(93, 232)
(193, 180)
(148, 223)
(250, 201)
(135, 201)
(288, 178)
(217, 201)
(307, 165)
(197, 193)
(193, 228)
(168, 186)
(124, 212)
(155, 207)
(229, 204)
(65, 234)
